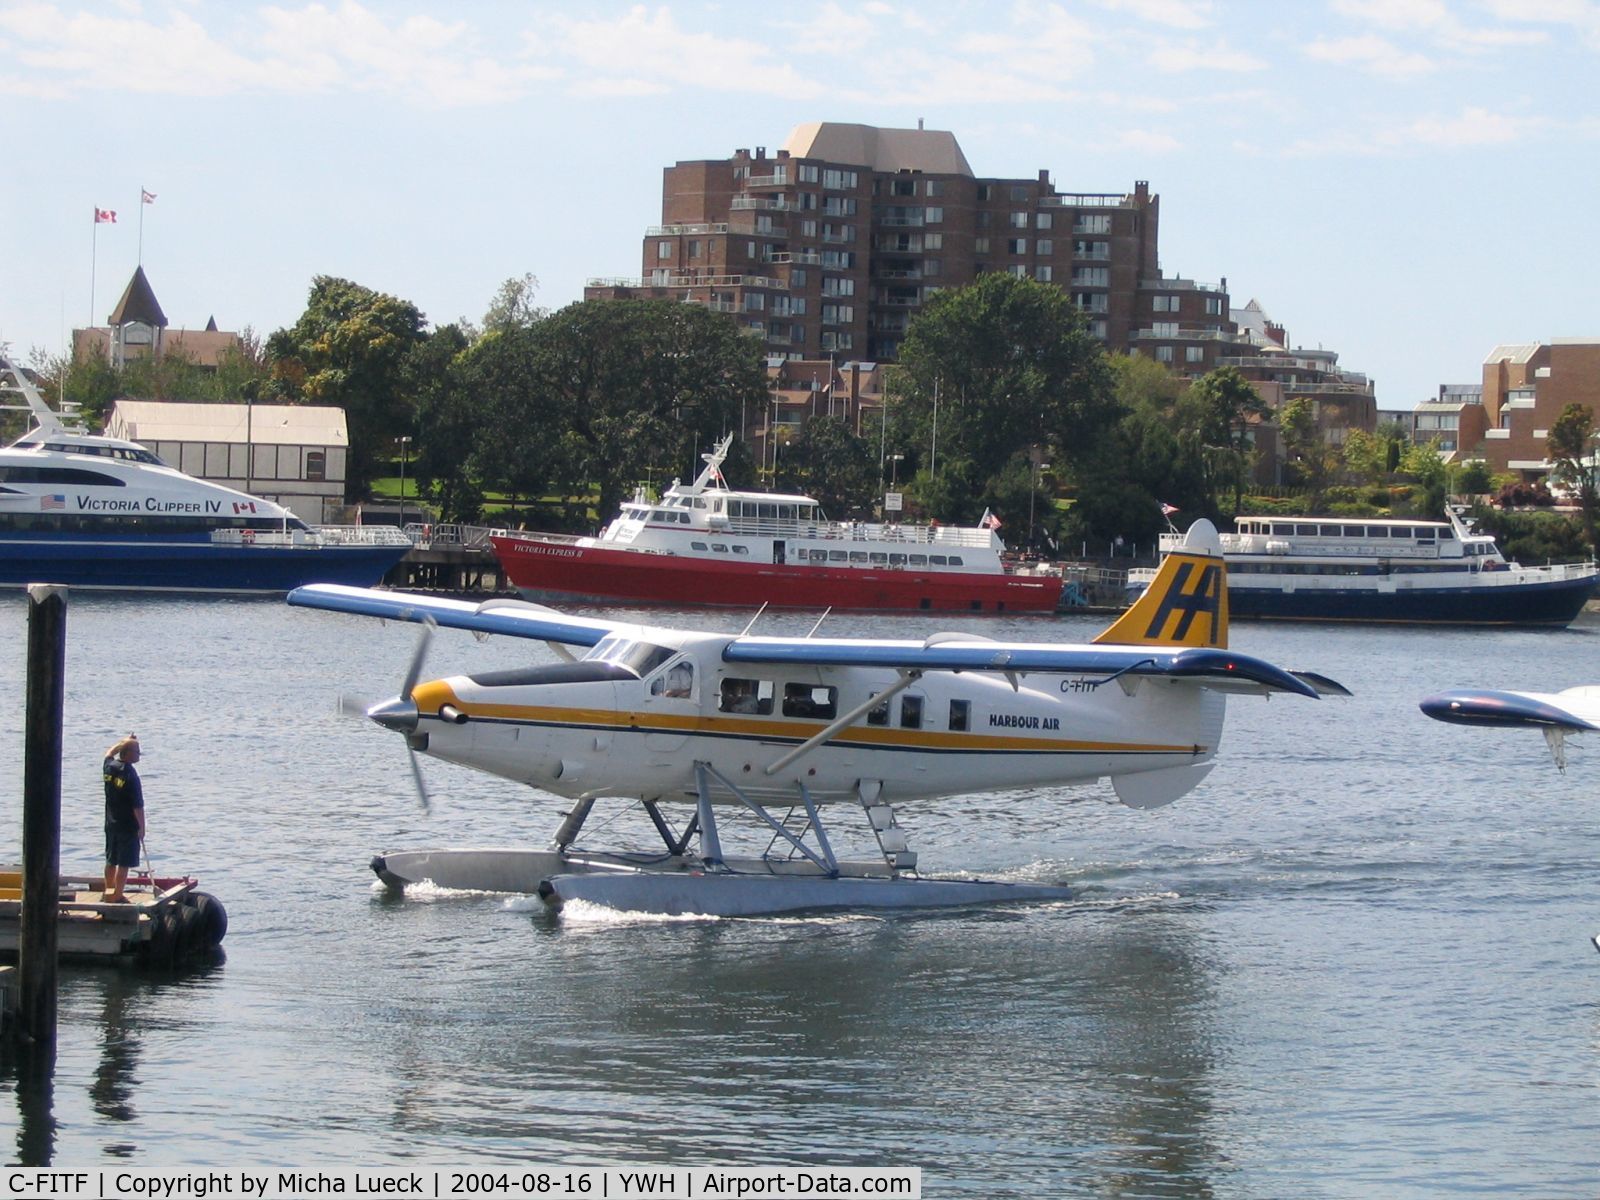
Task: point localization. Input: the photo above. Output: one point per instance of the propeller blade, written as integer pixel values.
(416, 778)
(352, 706)
(414, 672)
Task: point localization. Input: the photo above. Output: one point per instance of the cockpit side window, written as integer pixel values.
(676, 682)
(810, 700)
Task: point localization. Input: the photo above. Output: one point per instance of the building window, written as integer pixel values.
(660, 276)
(933, 241)
(930, 267)
(1016, 245)
(837, 341)
(1091, 276)
(316, 466)
(750, 249)
(839, 206)
(808, 229)
(1095, 302)
(1017, 271)
(1098, 329)
(1165, 329)
(980, 245)
(1091, 249)
(1019, 191)
(694, 248)
(838, 180)
(755, 301)
(807, 173)
(1046, 247)
(763, 223)
(1043, 221)
(1164, 354)
(1166, 304)
(1213, 306)
(838, 314)
(807, 201)
(663, 250)
(983, 192)
(903, 187)
(933, 215)
(1042, 274)
(1092, 223)
(1019, 220)
(839, 259)
(797, 278)
(833, 285)
(935, 187)
(1194, 354)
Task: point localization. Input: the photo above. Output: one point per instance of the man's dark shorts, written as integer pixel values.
(122, 849)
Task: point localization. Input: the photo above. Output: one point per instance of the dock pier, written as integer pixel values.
(456, 559)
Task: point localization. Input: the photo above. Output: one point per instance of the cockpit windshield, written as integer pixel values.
(639, 657)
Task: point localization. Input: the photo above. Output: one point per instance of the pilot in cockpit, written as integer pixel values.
(677, 681)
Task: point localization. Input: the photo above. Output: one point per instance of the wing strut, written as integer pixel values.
(907, 678)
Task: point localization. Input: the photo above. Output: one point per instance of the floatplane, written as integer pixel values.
(776, 731)
(1558, 715)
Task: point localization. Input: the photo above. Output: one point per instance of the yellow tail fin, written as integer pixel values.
(1187, 602)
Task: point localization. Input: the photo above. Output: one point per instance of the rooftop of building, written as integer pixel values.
(930, 151)
(262, 424)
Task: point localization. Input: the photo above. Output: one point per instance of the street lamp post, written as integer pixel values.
(1033, 491)
(894, 469)
(405, 445)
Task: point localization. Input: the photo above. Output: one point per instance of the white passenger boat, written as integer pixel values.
(1400, 570)
(99, 512)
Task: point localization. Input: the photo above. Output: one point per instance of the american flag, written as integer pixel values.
(1168, 509)
(46, 503)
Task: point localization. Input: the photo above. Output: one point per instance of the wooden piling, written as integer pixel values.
(41, 815)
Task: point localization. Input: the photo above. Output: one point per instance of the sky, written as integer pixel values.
(1409, 183)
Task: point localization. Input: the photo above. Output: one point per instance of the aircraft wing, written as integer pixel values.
(1225, 670)
(1576, 710)
(515, 618)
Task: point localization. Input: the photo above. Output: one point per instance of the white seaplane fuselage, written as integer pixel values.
(597, 728)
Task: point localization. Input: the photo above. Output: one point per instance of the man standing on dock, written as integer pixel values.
(124, 815)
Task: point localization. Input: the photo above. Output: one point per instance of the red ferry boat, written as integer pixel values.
(705, 544)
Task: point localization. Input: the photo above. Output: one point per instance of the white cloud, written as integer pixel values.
(1434, 21)
(1175, 14)
(1372, 54)
(310, 50)
(1148, 141)
(643, 49)
(1176, 59)
(1473, 127)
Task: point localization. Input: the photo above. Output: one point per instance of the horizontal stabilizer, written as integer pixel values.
(1576, 709)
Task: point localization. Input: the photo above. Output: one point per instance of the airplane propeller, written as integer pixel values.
(400, 713)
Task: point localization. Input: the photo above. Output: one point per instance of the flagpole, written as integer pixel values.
(142, 194)
(94, 246)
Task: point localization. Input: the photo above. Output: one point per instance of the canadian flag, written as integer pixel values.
(104, 216)
(240, 506)
(146, 197)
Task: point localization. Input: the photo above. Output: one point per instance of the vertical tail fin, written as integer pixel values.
(1187, 602)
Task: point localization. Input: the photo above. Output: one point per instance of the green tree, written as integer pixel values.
(1426, 465)
(450, 425)
(1214, 417)
(1310, 459)
(349, 349)
(1570, 445)
(1012, 365)
(827, 461)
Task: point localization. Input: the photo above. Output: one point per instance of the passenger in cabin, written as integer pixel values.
(124, 816)
(738, 696)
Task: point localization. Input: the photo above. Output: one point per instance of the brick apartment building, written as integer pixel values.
(1525, 387)
(832, 245)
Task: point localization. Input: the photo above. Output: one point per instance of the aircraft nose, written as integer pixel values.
(398, 714)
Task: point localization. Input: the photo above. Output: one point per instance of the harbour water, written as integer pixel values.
(1353, 963)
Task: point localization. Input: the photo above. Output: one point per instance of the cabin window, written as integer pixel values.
(676, 682)
(719, 547)
(1446, 534)
(1377, 531)
(919, 560)
(1305, 530)
(698, 546)
(768, 511)
(858, 556)
(810, 700)
(936, 559)
(1332, 531)
(878, 714)
(738, 549)
(910, 711)
(800, 553)
(897, 560)
(959, 712)
(837, 556)
(746, 696)
(955, 560)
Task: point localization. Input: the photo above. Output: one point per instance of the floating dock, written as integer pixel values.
(163, 922)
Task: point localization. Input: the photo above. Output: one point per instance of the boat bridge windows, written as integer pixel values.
(1425, 534)
(126, 453)
(59, 476)
(139, 524)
